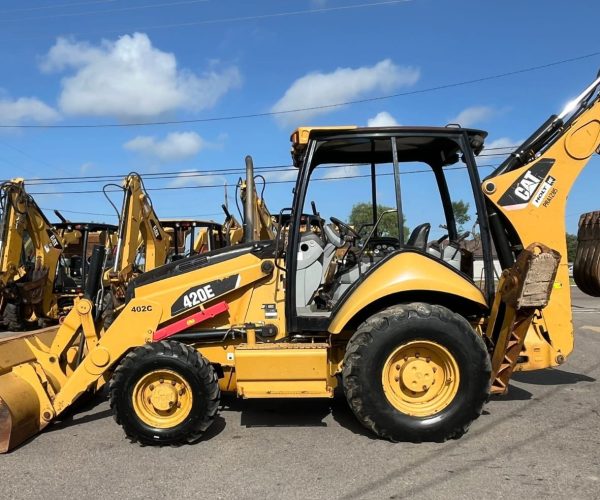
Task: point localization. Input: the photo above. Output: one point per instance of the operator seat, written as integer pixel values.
(418, 238)
(314, 263)
(310, 267)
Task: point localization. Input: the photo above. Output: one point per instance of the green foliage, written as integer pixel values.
(362, 213)
(461, 214)
(571, 247)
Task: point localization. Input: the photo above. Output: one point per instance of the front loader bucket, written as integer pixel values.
(20, 416)
(586, 270)
(21, 410)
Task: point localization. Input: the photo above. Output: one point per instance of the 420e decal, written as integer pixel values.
(199, 294)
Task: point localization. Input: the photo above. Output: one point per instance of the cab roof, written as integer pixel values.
(371, 144)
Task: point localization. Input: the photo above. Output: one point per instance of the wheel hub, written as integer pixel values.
(164, 397)
(417, 375)
(420, 378)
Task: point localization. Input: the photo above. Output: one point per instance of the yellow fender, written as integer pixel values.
(407, 272)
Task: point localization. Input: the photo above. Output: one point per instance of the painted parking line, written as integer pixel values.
(595, 329)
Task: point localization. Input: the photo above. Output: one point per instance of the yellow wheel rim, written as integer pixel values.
(162, 399)
(420, 378)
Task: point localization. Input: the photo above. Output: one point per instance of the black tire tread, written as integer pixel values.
(193, 359)
(364, 336)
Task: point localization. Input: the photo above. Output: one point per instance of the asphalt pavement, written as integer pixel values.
(542, 440)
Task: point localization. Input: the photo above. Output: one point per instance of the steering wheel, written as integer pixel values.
(345, 227)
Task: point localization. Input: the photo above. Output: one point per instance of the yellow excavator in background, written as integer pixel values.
(258, 217)
(142, 243)
(145, 242)
(416, 344)
(42, 265)
(191, 237)
(30, 250)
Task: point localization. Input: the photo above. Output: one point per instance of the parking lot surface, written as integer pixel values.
(542, 440)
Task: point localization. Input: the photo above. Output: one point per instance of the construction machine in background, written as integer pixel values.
(255, 215)
(145, 242)
(192, 237)
(415, 343)
(42, 265)
(72, 271)
(30, 250)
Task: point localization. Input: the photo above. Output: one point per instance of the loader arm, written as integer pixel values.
(30, 249)
(527, 197)
(82, 354)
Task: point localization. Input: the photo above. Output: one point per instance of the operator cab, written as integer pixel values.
(371, 206)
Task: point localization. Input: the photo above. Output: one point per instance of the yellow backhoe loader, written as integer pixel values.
(258, 217)
(415, 343)
(191, 237)
(145, 242)
(30, 250)
(42, 265)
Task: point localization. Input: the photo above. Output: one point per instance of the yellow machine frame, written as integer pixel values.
(236, 307)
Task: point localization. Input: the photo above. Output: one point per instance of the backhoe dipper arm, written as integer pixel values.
(527, 197)
(21, 216)
(139, 226)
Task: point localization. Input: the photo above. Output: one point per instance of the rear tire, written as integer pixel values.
(416, 372)
(164, 394)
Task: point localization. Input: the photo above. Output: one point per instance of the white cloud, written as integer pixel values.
(383, 119)
(176, 146)
(344, 84)
(341, 172)
(130, 78)
(502, 142)
(290, 174)
(26, 110)
(86, 167)
(473, 115)
(192, 178)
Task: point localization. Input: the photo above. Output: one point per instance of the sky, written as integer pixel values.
(230, 68)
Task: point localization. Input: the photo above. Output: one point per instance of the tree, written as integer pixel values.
(571, 247)
(362, 213)
(461, 214)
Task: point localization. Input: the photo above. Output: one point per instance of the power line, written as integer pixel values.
(185, 174)
(154, 175)
(106, 11)
(310, 108)
(188, 173)
(61, 210)
(329, 178)
(27, 155)
(239, 18)
(54, 6)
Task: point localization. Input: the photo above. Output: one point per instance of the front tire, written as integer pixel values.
(416, 372)
(164, 394)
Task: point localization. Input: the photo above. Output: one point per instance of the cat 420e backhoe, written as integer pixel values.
(415, 343)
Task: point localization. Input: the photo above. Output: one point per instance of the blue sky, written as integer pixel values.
(120, 61)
